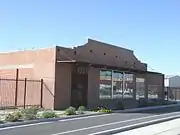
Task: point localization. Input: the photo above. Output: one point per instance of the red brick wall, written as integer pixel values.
(63, 86)
(42, 67)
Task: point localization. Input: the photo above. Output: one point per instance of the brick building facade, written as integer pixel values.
(93, 74)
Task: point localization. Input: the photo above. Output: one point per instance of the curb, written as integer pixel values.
(79, 116)
(146, 108)
(45, 120)
(135, 126)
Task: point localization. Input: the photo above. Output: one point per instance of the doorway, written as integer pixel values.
(79, 86)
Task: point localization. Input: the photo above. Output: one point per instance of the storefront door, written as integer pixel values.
(79, 86)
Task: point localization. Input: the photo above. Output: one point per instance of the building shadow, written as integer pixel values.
(157, 111)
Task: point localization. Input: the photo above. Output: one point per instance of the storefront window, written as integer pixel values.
(153, 91)
(105, 90)
(105, 75)
(128, 86)
(140, 88)
(117, 84)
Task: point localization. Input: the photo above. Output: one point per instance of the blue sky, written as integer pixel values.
(149, 27)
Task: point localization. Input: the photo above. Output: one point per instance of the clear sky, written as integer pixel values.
(149, 27)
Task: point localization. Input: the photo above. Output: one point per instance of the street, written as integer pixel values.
(91, 124)
(171, 127)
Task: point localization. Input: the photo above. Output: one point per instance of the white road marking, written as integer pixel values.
(115, 129)
(41, 123)
(79, 118)
(27, 125)
(113, 123)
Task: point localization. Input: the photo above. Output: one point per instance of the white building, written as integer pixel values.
(172, 81)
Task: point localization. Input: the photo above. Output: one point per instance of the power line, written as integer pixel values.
(151, 68)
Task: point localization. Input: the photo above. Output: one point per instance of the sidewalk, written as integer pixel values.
(166, 128)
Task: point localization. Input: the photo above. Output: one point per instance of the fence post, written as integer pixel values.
(175, 94)
(167, 93)
(16, 89)
(41, 98)
(25, 82)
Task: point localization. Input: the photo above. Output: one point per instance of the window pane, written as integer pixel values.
(105, 75)
(105, 90)
(128, 88)
(117, 84)
(153, 91)
(140, 88)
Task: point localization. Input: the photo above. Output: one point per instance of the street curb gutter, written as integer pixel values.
(45, 120)
(135, 126)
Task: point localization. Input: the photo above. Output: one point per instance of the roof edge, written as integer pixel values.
(34, 49)
(98, 41)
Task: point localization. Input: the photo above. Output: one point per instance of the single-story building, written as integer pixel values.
(172, 81)
(94, 74)
(172, 87)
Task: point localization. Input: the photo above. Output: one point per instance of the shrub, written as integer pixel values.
(29, 117)
(42, 109)
(104, 110)
(48, 114)
(11, 117)
(18, 114)
(70, 111)
(30, 110)
(29, 113)
(81, 109)
(94, 109)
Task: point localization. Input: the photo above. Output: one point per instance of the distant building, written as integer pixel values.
(172, 81)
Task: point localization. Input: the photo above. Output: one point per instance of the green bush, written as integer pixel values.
(30, 110)
(29, 113)
(81, 109)
(70, 111)
(29, 117)
(94, 109)
(48, 114)
(11, 117)
(104, 110)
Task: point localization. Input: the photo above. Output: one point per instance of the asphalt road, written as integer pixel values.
(90, 125)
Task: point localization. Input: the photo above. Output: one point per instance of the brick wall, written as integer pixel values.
(33, 65)
(63, 86)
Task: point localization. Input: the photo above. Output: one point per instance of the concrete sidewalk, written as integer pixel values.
(166, 128)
